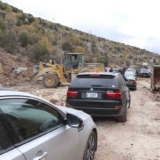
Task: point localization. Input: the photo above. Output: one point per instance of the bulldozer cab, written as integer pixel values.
(73, 61)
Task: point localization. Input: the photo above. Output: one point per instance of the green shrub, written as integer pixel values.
(2, 35)
(54, 43)
(22, 17)
(26, 22)
(104, 60)
(38, 52)
(67, 47)
(24, 39)
(15, 10)
(79, 49)
(3, 15)
(10, 42)
(3, 6)
(87, 59)
(31, 19)
(19, 23)
(2, 25)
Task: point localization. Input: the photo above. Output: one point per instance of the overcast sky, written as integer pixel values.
(133, 22)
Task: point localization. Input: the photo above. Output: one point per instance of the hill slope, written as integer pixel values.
(38, 38)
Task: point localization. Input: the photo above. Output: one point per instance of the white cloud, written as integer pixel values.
(133, 21)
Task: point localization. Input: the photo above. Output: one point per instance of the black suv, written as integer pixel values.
(100, 94)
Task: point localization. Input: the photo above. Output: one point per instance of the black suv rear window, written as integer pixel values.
(86, 81)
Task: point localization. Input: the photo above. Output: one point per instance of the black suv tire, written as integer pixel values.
(123, 118)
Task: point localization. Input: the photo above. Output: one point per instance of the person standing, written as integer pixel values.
(12, 69)
(111, 69)
(123, 71)
(52, 61)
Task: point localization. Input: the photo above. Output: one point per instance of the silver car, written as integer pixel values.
(32, 128)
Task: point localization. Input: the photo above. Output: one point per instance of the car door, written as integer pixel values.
(7, 150)
(41, 131)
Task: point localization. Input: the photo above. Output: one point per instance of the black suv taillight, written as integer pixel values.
(114, 95)
(133, 82)
(71, 94)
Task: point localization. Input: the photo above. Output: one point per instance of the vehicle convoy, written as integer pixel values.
(32, 128)
(155, 78)
(53, 75)
(100, 94)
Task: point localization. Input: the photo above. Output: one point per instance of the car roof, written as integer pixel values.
(101, 73)
(11, 92)
(5, 89)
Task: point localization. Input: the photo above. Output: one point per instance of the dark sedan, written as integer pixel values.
(144, 73)
(131, 82)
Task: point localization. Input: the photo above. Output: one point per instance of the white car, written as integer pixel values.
(32, 128)
(19, 70)
(131, 72)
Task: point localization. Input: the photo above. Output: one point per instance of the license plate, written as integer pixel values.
(91, 95)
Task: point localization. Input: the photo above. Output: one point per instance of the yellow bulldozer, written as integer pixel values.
(53, 75)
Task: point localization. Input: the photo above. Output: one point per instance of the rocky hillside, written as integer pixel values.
(25, 35)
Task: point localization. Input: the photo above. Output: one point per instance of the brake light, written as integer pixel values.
(114, 95)
(133, 82)
(72, 94)
(94, 75)
(68, 105)
(117, 108)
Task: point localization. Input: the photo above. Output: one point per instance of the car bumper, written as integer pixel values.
(132, 86)
(100, 112)
(145, 76)
(98, 108)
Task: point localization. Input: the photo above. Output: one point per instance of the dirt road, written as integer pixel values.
(139, 137)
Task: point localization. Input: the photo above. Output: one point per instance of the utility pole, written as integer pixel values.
(90, 32)
(61, 48)
(61, 36)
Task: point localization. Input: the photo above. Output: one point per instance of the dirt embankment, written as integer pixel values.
(54, 95)
(7, 61)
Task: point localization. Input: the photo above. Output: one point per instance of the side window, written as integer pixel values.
(5, 142)
(29, 117)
